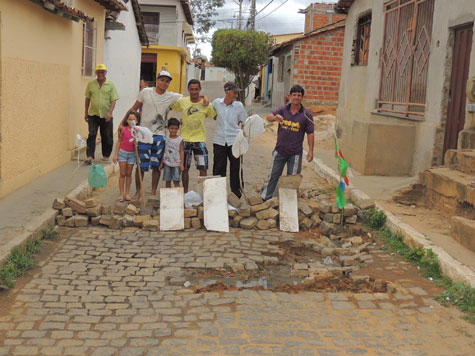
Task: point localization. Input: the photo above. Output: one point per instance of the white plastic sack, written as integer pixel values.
(240, 145)
(80, 143)
(254, 126)
(142, 134)
(192, 199)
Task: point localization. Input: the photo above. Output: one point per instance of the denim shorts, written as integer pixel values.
(171, 173)
(128, 157)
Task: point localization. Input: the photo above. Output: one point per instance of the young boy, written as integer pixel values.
(173, 156)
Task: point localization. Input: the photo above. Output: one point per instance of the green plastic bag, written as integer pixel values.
(97, 176)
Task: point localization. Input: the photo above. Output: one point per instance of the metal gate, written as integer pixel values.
(405, 56)
(458, 81)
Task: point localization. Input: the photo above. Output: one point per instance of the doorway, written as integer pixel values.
(458, 80)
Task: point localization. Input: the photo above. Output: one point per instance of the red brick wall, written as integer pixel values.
(317, 66)
(317, 16)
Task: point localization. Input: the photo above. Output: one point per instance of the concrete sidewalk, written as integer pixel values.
(27, 211)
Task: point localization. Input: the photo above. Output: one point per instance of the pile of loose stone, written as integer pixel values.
(313, 210)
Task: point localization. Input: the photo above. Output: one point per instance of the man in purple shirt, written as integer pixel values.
(294, 122)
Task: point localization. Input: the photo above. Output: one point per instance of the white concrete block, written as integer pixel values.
(215, 204)
(288, 210)
(172, 209)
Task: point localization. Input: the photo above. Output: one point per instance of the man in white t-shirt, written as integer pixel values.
(155, 104)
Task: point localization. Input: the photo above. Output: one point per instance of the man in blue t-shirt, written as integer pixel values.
(294, 122)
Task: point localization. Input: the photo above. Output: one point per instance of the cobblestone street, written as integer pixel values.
(104, 293)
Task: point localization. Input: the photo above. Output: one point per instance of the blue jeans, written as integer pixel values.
(294, 166)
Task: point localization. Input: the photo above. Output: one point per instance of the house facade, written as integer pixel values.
(168, 24)
(402, 101)
(312, 60)
(48, 51)
(123, 43)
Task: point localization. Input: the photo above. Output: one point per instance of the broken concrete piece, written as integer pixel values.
(105, 220)
(267, 214)
(262, 225)
(139, 219)
(356, 240)
(349, 209)
(336, 218)
(91, 202)
(116, 222)
(128, 220)
(67, 212)
(288, 210)
(195, 223)
(233, 200)
(119, 208)
(60, 220)
(191, 212)
(80, 220)
(327, 228)
(153, 202)
(306, 224)
(325, 207)
(299, 273)
(236, 220)
(314, 206)
(131, 210)
(248, 223)
(172, 205)
(76, 204)
(150, 225)
(215, 204)
(95, 220)
(272, 223)
(58, 204)
(69, 222)
(305, 208)
(254, 198)
(259, 207)
(187, 223)
(94, 211)
(315, 219)
(290, 181)
(232, 213)
(146, 210)
(107, 210)
(351, 219)
(245, 210)
(273, 202)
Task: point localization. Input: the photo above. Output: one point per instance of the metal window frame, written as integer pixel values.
(362, 42)
(413, 51)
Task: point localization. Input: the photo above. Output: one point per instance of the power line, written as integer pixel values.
(273, 10)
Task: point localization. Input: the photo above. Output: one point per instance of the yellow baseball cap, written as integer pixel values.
(101, 67)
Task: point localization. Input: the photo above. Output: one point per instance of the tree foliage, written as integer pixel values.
(203, 12)
(241, 52)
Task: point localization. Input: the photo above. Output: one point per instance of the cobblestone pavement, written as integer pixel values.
(104, 292)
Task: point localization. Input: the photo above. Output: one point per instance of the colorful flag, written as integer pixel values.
(343, 169)
(340, 195)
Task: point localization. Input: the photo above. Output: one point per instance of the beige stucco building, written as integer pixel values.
(402, 99)
(48, 53)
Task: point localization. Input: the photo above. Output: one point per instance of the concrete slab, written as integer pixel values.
(172, 209)
(215, 204)
(288, 210)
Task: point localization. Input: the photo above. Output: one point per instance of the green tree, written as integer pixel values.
(203, 12)
(242, 52)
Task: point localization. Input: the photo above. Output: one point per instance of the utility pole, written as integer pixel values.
(240, 15)
(253, 14)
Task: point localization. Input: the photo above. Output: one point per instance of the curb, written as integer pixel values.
(452, 268)
(47, 219)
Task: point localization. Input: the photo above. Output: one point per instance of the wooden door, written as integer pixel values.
(458, 83)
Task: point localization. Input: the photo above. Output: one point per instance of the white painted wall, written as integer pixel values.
(359, 87)
(218, 74)
(122, 55)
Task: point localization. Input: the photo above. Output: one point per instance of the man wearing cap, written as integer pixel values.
(101, 96)
(294, 122)
(155, 104)
(230, 113)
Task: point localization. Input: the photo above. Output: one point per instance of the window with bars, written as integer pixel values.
(151, 22)
(405, 56)
(361, 43)
(88, 49)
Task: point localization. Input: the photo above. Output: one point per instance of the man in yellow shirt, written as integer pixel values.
(193, 130)
(101, 96)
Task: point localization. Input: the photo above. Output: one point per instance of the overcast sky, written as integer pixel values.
(280, 16)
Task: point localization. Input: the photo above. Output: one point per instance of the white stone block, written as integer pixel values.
(288, 210)
(172, 209)
(215, 204)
